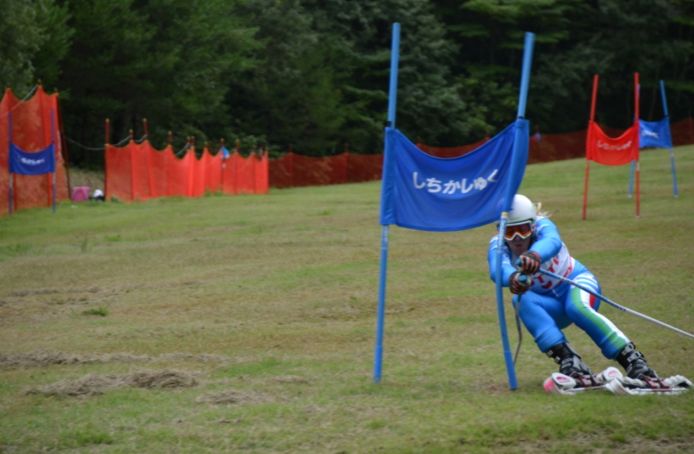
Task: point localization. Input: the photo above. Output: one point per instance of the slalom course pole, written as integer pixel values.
(589, 140)
(675, 190)
(632, 164)
(618, 306)
(501, 315)
(392, 97)
(637, 172)
(508, 199)
(525, 73)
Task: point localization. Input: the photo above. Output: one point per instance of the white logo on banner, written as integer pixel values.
(436, 186)
(32, 162)
(607, 146)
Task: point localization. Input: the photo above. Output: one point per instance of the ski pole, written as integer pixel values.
(618, 306)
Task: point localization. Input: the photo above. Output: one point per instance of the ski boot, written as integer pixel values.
(569, 361)
(634, 363)
(641, 379)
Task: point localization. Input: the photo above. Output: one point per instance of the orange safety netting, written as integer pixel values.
(682, 132)
(293, 169)
(450, 152)
(138, 171)
(35, 124)
(543, 147)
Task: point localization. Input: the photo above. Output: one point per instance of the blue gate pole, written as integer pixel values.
(525, 74)
(392, 97)
(632, 165)
(508, 359)
(675, 190)
(508, 199)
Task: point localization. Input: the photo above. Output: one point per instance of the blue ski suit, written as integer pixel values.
(550, 304)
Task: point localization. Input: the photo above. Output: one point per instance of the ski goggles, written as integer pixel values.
(521, 231)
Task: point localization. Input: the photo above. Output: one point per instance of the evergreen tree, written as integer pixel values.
(196, 51)
(314, 74)
(288, 97)
(359, 35)
(105, 72)
(165, 60)
(34, 37)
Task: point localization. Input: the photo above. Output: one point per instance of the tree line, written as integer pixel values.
(313, 74)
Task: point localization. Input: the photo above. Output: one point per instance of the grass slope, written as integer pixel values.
(246, 324)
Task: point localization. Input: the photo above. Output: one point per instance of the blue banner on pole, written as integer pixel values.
(655, 134)
(424, 192)
(32, 163)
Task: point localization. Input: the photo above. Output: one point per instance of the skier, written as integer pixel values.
(546, 305)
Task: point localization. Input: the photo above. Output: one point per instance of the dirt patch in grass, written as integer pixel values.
(587, 443)
(291, 379)
(37, 359)
(98, 384)
(233, 397)
(43, 358)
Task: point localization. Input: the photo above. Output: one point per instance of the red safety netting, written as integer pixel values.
(211, 166)
(450, 152)
(682, 132)
(35, 124)
(555, 147)
(364, 167)
(138, 171)
(245, 175)
(294, 169)
(543, 147)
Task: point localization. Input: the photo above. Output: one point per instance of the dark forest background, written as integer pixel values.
(313, 74)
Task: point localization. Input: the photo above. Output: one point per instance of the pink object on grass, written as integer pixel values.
(80, 193)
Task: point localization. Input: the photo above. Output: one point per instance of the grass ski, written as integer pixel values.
(677, 384)
(558, 383)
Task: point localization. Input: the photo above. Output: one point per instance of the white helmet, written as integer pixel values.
(522, 211)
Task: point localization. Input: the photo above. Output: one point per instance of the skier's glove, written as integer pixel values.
(530, 262)
(519, 283)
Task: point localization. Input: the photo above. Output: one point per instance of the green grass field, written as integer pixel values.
(247, 324)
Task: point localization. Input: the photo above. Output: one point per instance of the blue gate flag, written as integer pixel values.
(424, 192)
(655, 134)
(32, 163)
